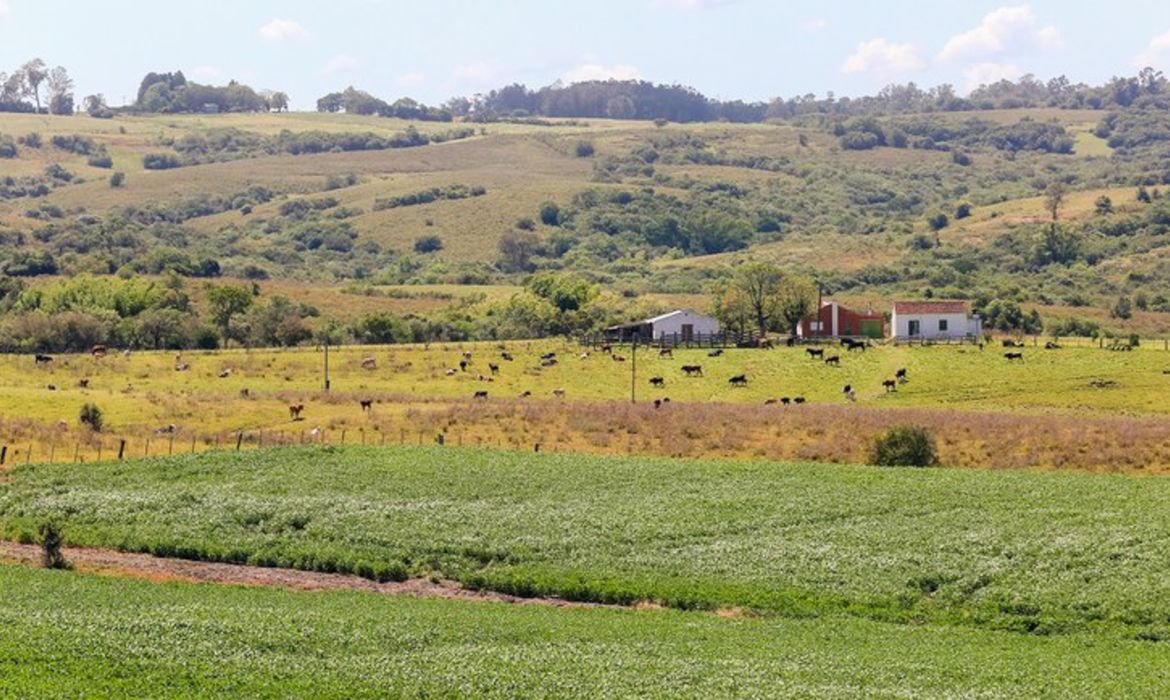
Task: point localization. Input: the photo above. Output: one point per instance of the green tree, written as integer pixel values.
(757, 284)
(278, 101)
(227, 302)
(517, 249)
(34, 73)
(797, 299)
(1122, 308)
(428, 244)
(1054, 198)
(567, 292)
(904, 446)
(1104, 205)
(550, 214)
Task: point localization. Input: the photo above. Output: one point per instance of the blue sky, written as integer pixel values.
(431, 50)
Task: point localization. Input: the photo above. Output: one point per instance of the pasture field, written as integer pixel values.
(1078, 406)
(1045, 554)
(209, 641)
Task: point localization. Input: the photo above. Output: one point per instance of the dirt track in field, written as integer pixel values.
(108, 562)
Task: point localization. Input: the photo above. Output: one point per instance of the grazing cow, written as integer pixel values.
(495, 369)
(890, 385)
(785, 400)
(1051, 345)
(481, 395)
(369, 363)
(525, 394)
(849, 393)
(607, 349)
(900, 375)
(51, 387)
(182, 367)
(1009, 356)
(167, 429)
(295, 410)
(245, 393)
(548, 362)
(666, 352)
(451, 372)
(814, 353)
(658, 403)
(855, 345)
(583, 356)
(657, 381)
(833, 360)
(715, 353)
(559, 393)
(618, 358)
(548, 356)
(43, 359)
(507, 356)
(738, 380)
(98, 351)
(463, 365)
(1009, 343)
(692, 370)
(482, 378)
(769, 402)
(366, 405)
(798, 400)
(225, 374)
(83, 383)
(467, 355)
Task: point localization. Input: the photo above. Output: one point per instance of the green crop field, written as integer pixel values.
(1025, 552)
(70, 634)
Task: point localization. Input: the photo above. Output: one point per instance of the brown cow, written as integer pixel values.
(295, 410)
(98, 351)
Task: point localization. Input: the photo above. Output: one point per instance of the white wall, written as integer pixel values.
(958, 325)
(704, 325)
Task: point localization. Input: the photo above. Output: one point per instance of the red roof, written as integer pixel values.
(931, 307)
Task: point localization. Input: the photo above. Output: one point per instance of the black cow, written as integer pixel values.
(43, 359)
(738, 380)
(481, 395)
(657, 381)
(692, 370)
(815, 352)
(900, 375)
(495, 369)
(1009, 356)
(833, 360)
(715, 353)
(890, 385)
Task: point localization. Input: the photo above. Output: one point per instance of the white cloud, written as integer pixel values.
(341, 63)
(1007, 30)
(205, 72)
(4, 10)
(1157, 53)
(882, 56)
(474, 73)
(596, 71)
(279, 30)
(815, 24)
(410, 79)
(988, 73)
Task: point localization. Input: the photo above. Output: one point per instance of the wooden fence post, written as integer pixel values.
(76, 452)
(239, 440)
(121, 449)
(3, 453)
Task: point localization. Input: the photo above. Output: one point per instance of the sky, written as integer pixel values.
(729, 49)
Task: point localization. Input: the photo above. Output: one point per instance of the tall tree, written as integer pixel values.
(796, 299)
(278, 101)
(60, 91)
(1054, 198)
(34, 73)
(759, 285)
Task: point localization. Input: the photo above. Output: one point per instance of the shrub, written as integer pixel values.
(904, 446)
(526, 224)
(117, 179)
(160, 161)
(550, 214)
(584, 149)
(101, 160)
(51, 557)
(963, 211)
(938, 222)
(428, 244)
(7, 147)
(91, 415)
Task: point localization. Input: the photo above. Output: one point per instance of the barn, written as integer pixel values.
(836, 321)
(682, 325)
(934, 320)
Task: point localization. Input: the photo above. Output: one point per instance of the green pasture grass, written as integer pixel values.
(1029, 552)
(68, 634)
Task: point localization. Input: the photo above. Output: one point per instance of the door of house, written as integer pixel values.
(915, 328)
(688, 332)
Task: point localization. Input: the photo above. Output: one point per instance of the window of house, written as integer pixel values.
(942, 325)
(916, 327)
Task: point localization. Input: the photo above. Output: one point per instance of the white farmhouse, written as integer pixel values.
(933, 320)
(683, 325)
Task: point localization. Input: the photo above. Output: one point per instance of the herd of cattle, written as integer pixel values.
(550, 359)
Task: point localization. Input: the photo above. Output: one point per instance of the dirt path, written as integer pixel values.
(107, 562)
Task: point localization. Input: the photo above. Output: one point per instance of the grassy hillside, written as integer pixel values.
(1038, 553)
(210, 641)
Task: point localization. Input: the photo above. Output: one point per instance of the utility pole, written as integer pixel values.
(326, 362)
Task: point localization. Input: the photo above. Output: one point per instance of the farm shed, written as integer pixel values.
(933, 320)
(834, 321)
(684, 325)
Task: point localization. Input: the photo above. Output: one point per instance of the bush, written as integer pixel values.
(117, 179)
(51, 557)
(584, 149)
(963, 211)
(904, 446)
(550, 214)
(101, 160)
(91, 415)
(428, 244)
(526, 224)
(160, 161)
